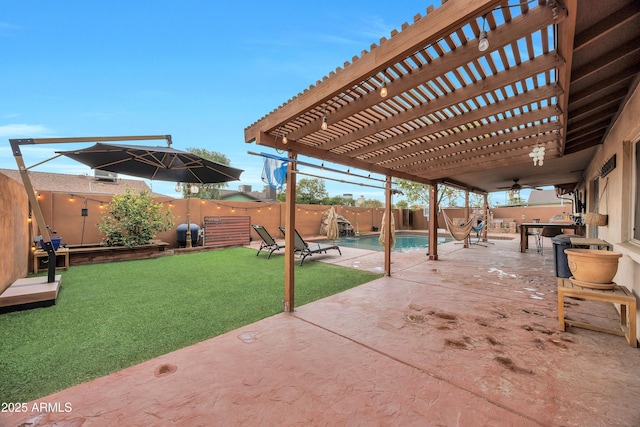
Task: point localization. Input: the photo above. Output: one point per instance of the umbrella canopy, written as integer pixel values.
(332, 224)
(155, 163)
(383, 230)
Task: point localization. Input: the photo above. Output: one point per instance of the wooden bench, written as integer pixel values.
(618, 295)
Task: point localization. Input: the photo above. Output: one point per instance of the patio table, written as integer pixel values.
(525, 226)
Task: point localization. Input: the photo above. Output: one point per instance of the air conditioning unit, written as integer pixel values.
(100, 175)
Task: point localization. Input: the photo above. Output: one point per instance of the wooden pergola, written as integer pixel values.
(555, 74)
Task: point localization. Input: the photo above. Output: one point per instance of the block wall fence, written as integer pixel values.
(64, 214)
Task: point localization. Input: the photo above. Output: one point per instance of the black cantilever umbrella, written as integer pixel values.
(154, 162)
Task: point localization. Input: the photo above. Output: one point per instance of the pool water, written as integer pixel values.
(405, 242)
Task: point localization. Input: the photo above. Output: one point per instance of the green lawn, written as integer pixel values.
(111, 316)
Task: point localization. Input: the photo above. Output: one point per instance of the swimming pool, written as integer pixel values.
(405, 242)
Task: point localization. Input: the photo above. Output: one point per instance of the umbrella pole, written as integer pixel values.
(35, 206)
(188, 243)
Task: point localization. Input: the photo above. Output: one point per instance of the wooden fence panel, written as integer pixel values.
(227, 230)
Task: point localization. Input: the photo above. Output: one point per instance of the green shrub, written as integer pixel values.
(133, 219)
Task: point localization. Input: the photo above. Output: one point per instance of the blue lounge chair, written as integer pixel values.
(268, 242)
(306, 249)
(477, 229)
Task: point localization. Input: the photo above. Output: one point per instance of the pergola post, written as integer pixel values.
(387, 228)
(485, 218)
(467, 213)
(289, 238)
(433, 222)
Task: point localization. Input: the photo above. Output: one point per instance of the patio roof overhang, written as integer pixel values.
(556, 74)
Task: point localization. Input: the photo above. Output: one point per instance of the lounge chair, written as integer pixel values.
(268, 242)
(306, 249)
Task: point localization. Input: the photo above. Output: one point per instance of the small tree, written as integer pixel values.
(338, 200)
(402, 204)
(208, 191)
(133, 219)
(371, 203)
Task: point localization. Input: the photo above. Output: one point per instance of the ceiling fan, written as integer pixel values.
(516, 186)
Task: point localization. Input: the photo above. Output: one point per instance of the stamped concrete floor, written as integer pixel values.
(469, 340)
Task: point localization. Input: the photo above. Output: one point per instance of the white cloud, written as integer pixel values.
(6, 27)
(19, 130)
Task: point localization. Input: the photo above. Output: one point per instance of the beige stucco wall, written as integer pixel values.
(617, 200)
(14, 214)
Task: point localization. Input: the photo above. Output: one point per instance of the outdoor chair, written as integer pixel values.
(538, 239)
(268, 242)
(548, 231)
(478, 230)
(306, 249)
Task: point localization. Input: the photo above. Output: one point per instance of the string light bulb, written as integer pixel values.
(283, 134)
(383, 89)
(483, 42)
(324, 125)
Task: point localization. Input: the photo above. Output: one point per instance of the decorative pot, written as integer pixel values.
(592, 266)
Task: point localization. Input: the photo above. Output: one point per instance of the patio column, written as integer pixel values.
(485, 218)
(289, 238)
(466, 213)
(433, 222)
(387, 226)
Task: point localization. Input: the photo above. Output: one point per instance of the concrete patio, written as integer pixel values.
(469, 340)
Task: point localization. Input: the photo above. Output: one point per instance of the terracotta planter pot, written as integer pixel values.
(593, 266)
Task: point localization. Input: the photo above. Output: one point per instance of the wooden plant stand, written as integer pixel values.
(618, 295)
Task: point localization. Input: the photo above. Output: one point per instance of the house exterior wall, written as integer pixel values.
(617, 191)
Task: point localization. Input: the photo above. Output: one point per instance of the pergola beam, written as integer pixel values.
(566, 35)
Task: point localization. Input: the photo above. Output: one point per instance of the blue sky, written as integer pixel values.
(201, 71)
